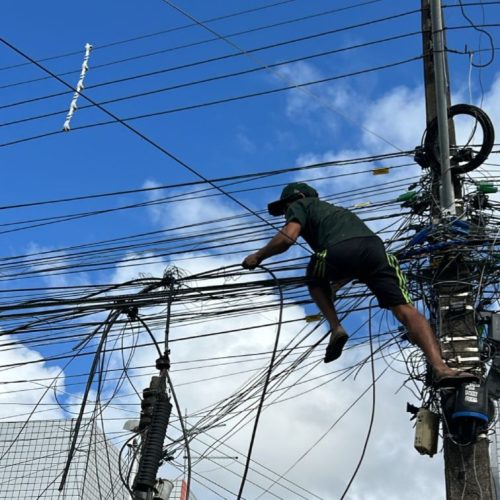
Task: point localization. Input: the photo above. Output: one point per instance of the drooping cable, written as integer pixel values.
(184, 434)
(266, 382)
(169, 381)
(374, 400)
(113, 316)
(482, 32)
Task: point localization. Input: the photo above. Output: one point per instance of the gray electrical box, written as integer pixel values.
(426, 432)
(494, 328)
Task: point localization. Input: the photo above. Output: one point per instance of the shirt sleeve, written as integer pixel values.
(297, 212)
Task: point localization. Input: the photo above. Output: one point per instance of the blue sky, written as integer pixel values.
(372, 113)
(110, 158)
(244, 136)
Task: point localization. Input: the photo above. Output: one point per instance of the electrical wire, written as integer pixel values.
(266, 383)
(483, 32)
(232, 55)
(249, 176)
(109, 323)
(214, 102)
(191, 83)
(374, 400)
(221, 291)
(184, 433)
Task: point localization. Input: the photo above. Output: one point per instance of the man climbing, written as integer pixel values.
(346, 249)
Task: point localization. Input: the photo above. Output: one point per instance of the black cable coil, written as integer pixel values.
(471, 158)
(152, 447)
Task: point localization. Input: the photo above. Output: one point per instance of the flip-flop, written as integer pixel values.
(334, 349)
(455, 380)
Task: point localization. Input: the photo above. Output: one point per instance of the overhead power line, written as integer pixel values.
(156, 33)
(218, 18)
(217, 101)
(200, 81)
(323, 102)
(265, 173)
(231, 55)
(139, 134)
(21, 225)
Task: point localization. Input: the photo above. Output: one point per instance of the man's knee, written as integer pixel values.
(319, 286)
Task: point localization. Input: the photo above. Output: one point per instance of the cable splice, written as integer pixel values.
(161, 409)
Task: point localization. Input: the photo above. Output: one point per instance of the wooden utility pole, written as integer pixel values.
(467, 465)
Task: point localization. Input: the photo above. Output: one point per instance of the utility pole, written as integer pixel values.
(467, 467)
(442, 92)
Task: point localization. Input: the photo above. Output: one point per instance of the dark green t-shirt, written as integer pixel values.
(323, 224)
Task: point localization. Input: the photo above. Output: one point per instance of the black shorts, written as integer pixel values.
(363, 259)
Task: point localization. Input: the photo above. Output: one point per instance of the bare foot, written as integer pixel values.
(446, 371)
(338, 338)
(447, 377)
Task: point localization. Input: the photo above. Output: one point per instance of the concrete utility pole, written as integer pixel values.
(467, 467)
(442, 99)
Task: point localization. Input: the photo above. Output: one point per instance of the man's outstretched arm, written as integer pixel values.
(280, 243)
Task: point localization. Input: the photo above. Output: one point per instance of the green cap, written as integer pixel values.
(290, 193)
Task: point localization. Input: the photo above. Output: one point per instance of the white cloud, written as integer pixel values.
(20, 386)
(324, 107)
(199, 205)
(243, 139)
(491, 102)
(398, 116)
(52, 266)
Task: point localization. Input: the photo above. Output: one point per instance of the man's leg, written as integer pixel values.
(321, 294)
(387, 282)
(420, 332)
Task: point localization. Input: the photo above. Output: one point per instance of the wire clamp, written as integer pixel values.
(163, 363)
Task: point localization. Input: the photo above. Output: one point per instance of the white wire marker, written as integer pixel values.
(79, 87)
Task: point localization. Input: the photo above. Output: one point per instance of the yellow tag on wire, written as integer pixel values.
(380, 171)
(313, 317)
